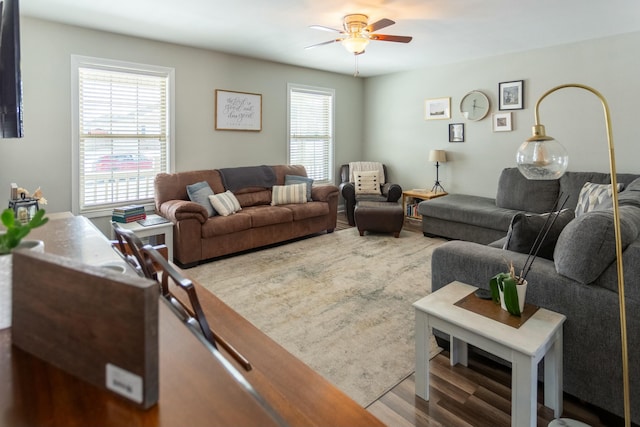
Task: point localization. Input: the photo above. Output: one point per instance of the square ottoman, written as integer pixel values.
(384, 217)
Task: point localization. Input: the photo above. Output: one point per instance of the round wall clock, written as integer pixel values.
(474, 105)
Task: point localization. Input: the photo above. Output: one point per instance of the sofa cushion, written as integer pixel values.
(262, 216)
(525, 228)
(285, 194)
(593, 195)
(256, 197)
(308, 210)
(586, 246)
(515, 192)
(571, 183)
(367, 182)
(467, 209)
(199, 193)
(296, 179)
(225, 203)
(221, 225)
(631, 194)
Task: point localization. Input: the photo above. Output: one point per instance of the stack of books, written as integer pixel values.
(129, 213)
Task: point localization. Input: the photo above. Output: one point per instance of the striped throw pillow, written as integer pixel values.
(367, 182)
(286, 194)
(225, 203)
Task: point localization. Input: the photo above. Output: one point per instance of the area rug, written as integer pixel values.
(340, 302)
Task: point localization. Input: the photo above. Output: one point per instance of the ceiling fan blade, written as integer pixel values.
(323, 28)
(388, 38)
(323, 43)
(383, 23)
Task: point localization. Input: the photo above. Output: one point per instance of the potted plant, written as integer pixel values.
(510, 289)
(11, 239)
(15, 231)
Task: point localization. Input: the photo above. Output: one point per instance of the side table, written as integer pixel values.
(537, 338)
(411, 198)
(164, 229)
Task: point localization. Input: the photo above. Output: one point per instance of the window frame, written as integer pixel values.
(291, 87)
(78, 62)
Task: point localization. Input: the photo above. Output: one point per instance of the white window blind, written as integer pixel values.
(311, 131)
(123, 139)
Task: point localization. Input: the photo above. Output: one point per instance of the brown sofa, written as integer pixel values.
(198, 237)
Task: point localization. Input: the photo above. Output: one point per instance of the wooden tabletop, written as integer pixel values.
(423, 194)
(195, 389)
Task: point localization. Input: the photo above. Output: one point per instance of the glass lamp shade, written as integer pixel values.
(355, 44)
(543, 158)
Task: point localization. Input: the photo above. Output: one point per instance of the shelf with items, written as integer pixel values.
(412, 198)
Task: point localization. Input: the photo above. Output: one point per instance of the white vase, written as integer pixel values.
(5, 279)
(522, 293)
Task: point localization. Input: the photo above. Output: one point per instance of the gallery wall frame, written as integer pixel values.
(456, 132)
(502, 122)
(511, 95)
(437, 108)
(240, 111)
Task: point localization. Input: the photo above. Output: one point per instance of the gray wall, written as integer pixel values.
(379, 118)
(396, 132)
(43, 156)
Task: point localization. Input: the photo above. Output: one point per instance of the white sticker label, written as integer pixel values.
(124, 383)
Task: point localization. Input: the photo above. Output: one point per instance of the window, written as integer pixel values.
(311, 131)
(121, 132)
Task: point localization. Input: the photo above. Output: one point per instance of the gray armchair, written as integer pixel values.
(389, 193)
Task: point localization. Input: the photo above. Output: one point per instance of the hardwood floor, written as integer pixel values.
(478, 395)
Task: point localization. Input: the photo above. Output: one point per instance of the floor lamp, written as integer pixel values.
(438, 156)
(542, 157)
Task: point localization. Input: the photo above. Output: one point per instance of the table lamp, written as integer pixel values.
(438, 156)
(542, 157)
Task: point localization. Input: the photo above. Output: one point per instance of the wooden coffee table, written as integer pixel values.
(537, 338)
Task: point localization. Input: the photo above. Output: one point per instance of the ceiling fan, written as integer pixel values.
(357, 33)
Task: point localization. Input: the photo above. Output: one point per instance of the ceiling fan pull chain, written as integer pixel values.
(357, 72)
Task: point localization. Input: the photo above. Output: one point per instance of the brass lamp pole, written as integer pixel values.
(539, 157)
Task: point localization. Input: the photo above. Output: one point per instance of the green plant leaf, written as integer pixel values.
(494, 286)
(17, 231)
(8, 218)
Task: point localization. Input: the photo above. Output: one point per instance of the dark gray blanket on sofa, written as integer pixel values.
(238, 178)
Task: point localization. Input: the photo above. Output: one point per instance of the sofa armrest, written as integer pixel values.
(177, 210)
(475, 264)
(322, 193)
(392, 191)
(348, 191)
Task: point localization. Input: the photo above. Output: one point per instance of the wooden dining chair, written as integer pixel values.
(130, 247)
(191, 313)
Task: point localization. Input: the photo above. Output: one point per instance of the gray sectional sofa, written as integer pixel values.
(580, 281)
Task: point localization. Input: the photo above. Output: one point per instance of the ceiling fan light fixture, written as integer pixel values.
(355, 43)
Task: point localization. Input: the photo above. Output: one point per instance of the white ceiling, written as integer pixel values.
(444, 31)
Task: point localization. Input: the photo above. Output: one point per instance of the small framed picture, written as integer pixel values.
(502, 122)
(511, 95)
(437, 109)
(456, 132)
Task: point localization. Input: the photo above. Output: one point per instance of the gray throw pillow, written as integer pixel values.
(297, 179)
(524, 230)
(586, 246)
(199, 193)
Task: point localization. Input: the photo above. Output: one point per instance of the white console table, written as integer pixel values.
(165, 230)
(539, 337)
